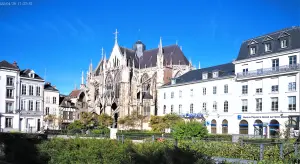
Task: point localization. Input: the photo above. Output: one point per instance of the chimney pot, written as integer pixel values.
(15, 64)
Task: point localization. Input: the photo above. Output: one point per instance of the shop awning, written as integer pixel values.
(274, 124)
(244, 125)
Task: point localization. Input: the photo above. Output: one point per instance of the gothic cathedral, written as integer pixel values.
(128, 80)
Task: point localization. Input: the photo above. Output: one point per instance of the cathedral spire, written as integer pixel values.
(102, 53)
(125, 57)
(91, 67)
(199, 67)
(82, 78)
(116, 36)
(160, 49)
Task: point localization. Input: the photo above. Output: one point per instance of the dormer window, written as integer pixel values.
(173, 81)
(252, 50)
(267, 47)
(283, 43)
(215, 74)
(31, 75)
(204, 76)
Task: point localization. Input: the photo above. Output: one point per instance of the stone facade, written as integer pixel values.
(128, 80)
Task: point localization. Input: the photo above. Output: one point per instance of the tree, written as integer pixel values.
(160, 123)
(132, 121)
(188, 130)
(105, 120)
(88, 120)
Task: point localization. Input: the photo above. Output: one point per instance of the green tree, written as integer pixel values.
(187, 130)
(88, 120)
(160, 123)
(132, 121)
(105, 120)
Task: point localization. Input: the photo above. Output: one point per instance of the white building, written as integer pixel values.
(9, 92)
(262, 92)
(31, 101)
(51, 107)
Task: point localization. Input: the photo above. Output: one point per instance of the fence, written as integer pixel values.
(285, 149)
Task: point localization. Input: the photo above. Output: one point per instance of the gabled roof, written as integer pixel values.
(66, 103)
(75, 93)
(172, 53)
(6, 65)
(293, 43)
(49, 87)
(25, 73)
(196, 75)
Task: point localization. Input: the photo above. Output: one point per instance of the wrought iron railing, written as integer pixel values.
(269, 71)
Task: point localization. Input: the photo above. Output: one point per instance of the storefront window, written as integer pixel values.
(224, 127)
(213, 126)
(243, 127)
(274, 128)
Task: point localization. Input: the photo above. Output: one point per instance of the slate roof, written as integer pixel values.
(49, 87)
(66, 102)
(75, 93)
(196, 75)
(292, 34)
(25, 73)
(149, 57)
(6, 65)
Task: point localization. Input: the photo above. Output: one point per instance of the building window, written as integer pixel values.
(215, 107)
(54, 100)
(226, 106)
(292, 103)
(204, 76)
(258, 90)
(283, 43)
(38, 91)
(292, 60)
(65, 115)
(30, 90)
(9, 107)
(171, 109)
(9, 93)
(204, 91)
(292, 86)
(172, 95)
(192, 108)
(245, 89)
(71, 115)
(47, 99)
(30, 105)
(9, 81)
(180, 94)
(226, 88)
(23, 104)
(252, 50)
(147, 110)
(164, 95)
(259, 105)
(214, 90)
(215, 74)
(180, 109)
(204, 107)
(47, 111)
(164, 112)
(275, 88)
(275, 64)
(245, 71)
(8, 122)
(267, 47)
(244, 105)
(37, 105)
(23, 89)
(192, 92)
(274, 105)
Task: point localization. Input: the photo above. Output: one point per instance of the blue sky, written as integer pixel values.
(63, 36)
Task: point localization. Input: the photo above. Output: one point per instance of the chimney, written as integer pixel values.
(15, 64)
(54, 87)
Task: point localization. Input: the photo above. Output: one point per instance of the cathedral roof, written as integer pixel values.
(171, 53)
(75, 93)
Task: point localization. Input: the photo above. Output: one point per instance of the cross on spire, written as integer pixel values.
(116, 36)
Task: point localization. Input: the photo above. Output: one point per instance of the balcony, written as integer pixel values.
(268, 71)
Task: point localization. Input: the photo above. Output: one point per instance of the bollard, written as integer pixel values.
(118, 137)
(296, 149)
(261, 152)
(122, 138)
(153, 138)
(281, 150)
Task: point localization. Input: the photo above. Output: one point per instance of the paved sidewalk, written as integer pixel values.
(232, 160)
